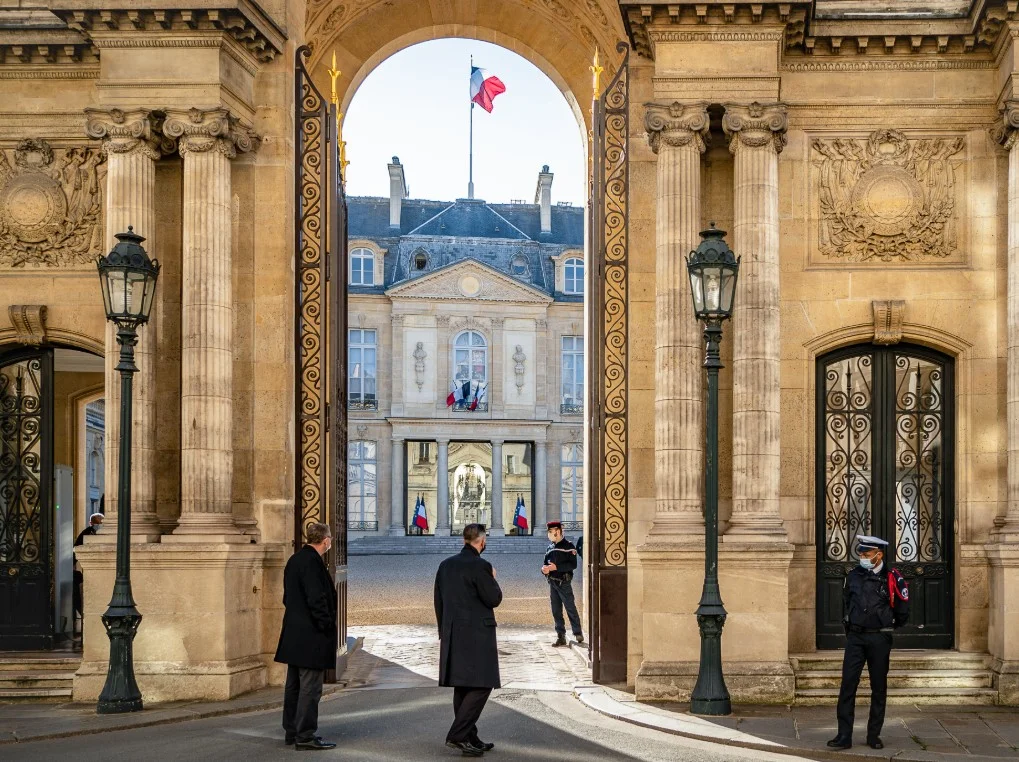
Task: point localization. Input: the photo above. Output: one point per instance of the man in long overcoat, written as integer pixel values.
(466, 595)
(308, 639)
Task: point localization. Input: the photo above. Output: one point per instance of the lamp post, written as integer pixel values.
(128, 279)
(712, 268)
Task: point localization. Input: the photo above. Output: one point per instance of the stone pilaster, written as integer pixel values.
(396, 380)
(396, 528)
(496, 387)
(677, 133)
(442, 489)
(541, 377)
(132, 147)
(207, 140)
(756, 137)
(540, 513)
(443, 363)
(497, 528)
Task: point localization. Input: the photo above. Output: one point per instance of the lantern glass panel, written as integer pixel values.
(728, 291)
(136, 284)
(712, 288)
(117, 280)
(696, 276)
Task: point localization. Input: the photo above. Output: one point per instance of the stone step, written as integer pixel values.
(35, 680)
(35, 694)
(898, 678)
(962, 696)
(11, 663)
(365, 546)
(901, 660)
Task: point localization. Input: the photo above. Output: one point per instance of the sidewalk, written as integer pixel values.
(911, 733)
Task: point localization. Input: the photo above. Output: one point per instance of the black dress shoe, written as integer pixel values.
(289, 740)
(838, 742)
(559, 642)
(875, 743)
(315, 744)
(466, 748)
(482, 745)
(580, 640)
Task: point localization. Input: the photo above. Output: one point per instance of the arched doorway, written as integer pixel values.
(885, 459)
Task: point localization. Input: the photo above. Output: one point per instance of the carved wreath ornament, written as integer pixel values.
(887, 198)
(50, 205)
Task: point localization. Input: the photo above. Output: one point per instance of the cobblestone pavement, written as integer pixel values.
(385, 590)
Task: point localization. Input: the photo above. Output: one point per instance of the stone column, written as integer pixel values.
(756, 136)
(497, 526)
(208, 140)
(540, 487)
(132, 147)
(442, 489)
(1007, 526)
(677, 133)
(397, 527)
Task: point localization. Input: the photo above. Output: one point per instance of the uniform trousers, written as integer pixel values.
(300, 702)
(873, 649)
(561, 596)
(467, 706)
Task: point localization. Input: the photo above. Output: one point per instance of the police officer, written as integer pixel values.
(875, 600)
(558, 567)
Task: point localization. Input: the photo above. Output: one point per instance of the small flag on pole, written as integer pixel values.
(479, 396)
(520, 517)
(459, 393)
(420, 515)
(484, 88)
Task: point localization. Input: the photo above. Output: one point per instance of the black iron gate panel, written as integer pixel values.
(885, 449)
(26, 493)
(608, 330)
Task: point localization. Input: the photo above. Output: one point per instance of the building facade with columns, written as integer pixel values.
(443, 294)
(863, 163)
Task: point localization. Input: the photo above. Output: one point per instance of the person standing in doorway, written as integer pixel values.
(466, 596)
(95, 524)
(558, 567)
(308, 638)
(875, 600)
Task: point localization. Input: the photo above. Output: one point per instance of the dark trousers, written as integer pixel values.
(562, 596)
(300, 702)
(873, 649)
(467, 706)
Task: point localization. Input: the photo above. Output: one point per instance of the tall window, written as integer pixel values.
(573, 275)
(362, 493)
(573, 376)
(571, 489)
(361, 367)
(362, 267)
(470, 361)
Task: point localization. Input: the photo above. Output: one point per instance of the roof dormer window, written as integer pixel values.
(420, 260)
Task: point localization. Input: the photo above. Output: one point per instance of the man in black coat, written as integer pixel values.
(95, 524)
(466, 595)
(308, 639)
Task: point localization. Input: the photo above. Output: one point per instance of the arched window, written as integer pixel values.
(573, 276)
(420, 259)
(362, 267)
(470, 359)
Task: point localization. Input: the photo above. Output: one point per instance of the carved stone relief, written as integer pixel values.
(886, 198)
(419, 364)
(29, 321)
(50, 205)
(888, 317)
(518, 367)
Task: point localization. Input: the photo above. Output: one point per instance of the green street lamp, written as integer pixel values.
(128, 279)
(713, 269)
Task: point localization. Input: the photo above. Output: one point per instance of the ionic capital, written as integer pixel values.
(676, 124)
(132, 131)
(755, 126)
(1006, 129)
(199, 130)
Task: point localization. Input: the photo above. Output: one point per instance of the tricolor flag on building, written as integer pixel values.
(479, 395)
(484, 88)
(520, 517)
(459, 393)
(420, 515)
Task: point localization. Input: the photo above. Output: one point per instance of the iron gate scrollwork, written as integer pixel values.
(320, 327)
(608, 330)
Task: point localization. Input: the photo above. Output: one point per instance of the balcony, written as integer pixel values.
(571, 407)
(362, 403)
(362, 526)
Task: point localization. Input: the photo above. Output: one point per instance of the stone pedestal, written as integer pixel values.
(211, 616)
(1003, 620)
(755, 640)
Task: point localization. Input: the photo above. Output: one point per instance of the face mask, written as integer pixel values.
(97, 528)
(866, 563)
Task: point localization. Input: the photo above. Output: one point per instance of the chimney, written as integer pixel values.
(543, 197)
(397, 191)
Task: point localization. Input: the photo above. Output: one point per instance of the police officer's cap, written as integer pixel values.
(866, 542)
(554, 525)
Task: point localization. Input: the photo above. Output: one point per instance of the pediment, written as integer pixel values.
(468, 280)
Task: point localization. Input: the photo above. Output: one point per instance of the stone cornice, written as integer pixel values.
(128, 131)
(676, 124)
(756, 125)
(215, 129)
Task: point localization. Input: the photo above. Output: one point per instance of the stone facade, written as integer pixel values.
(864, 166)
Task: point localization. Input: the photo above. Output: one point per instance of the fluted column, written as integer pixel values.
(756, 136)
(208, 140)
(497, 524)
(540, 514)
(677, 133)
(397, 527)
(132, 147)
(442, 489)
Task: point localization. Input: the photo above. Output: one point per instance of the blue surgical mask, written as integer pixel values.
(866, 563)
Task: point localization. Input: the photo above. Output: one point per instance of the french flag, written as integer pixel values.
(420, 515)
(520, 517)
(459, 393)
(484, 88)
(479, 396)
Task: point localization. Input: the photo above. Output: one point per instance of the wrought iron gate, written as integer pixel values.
(608, 328)
(320, 329)
(885, 463)
(26, 498)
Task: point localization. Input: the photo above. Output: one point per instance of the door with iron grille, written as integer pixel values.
(26, 489)
(885, 459)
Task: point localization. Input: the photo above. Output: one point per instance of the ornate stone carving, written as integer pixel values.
(362, 431)
(497, 322)
(541, 324)
(471, 280)
(29, 321)
(676, 124)
(127, 131)
(397, 318)
(442, 321)
(888, 317)
(50, 205)
(886, 198)
(518, 367)
(419, 364)
(576, 434)
(756, 125)
(199, 130)
(1007, 127)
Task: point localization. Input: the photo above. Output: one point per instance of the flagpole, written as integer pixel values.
(470, 171)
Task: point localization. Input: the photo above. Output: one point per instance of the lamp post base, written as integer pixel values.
(710, 696)
(120, 693)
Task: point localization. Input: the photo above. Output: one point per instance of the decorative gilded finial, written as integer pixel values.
(334, 74)
(596, 71)
(334, 98)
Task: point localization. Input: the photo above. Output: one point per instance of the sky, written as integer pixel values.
(416, 105)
